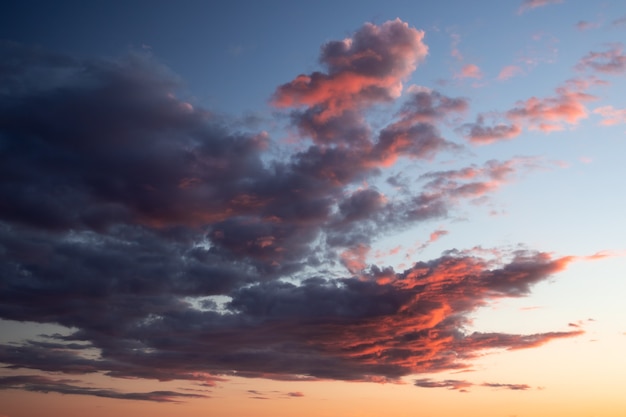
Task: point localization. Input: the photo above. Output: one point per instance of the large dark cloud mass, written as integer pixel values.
(176, 248)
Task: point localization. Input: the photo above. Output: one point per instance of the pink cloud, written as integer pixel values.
(611, 116)
(509, 71)
(553, 113)
(475, 182)
(368, 67)
(469, 71)
(533, 4)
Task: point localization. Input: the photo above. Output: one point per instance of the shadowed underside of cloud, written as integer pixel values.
(175, 247)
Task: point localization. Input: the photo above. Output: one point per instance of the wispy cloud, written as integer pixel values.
(509, 71)
(610, 115)
(533, 4)
(463, 386)
(36, 383)
(611, 61)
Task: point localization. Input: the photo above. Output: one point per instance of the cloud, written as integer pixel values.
(367, 68)
(176, 247)
(583, 25)
(533, 4)
(37, 383)
(453, 384)
(478, 133)
(553, 113)
(514, 387)
(611, 61)
(462, 386)
(565, 108)
(611, 116)
(509, 71)
(469, 71)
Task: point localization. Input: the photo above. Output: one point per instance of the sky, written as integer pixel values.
(325, 209)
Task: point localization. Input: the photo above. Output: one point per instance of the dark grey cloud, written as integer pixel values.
(175, 248)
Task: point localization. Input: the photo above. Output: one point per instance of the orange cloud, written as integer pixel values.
(366, 68)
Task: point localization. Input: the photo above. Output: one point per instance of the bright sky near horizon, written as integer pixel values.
(337, 208)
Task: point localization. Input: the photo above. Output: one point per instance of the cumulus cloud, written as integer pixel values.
(509, 71)
(368, 68)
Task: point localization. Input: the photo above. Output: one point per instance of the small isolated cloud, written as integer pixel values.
(533, 4)
(296, 394)
(584, 25)
(611, 61)
(514, 387)
(462, 386)
(452, 384)
(509, 71)
(469, 71)
(610, 115)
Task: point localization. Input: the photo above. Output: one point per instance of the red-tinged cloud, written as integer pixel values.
(611, 61)
(469, 71)
(509, 71)
(365, 69)
(533, 4)
(547, 114)
(610, 115)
